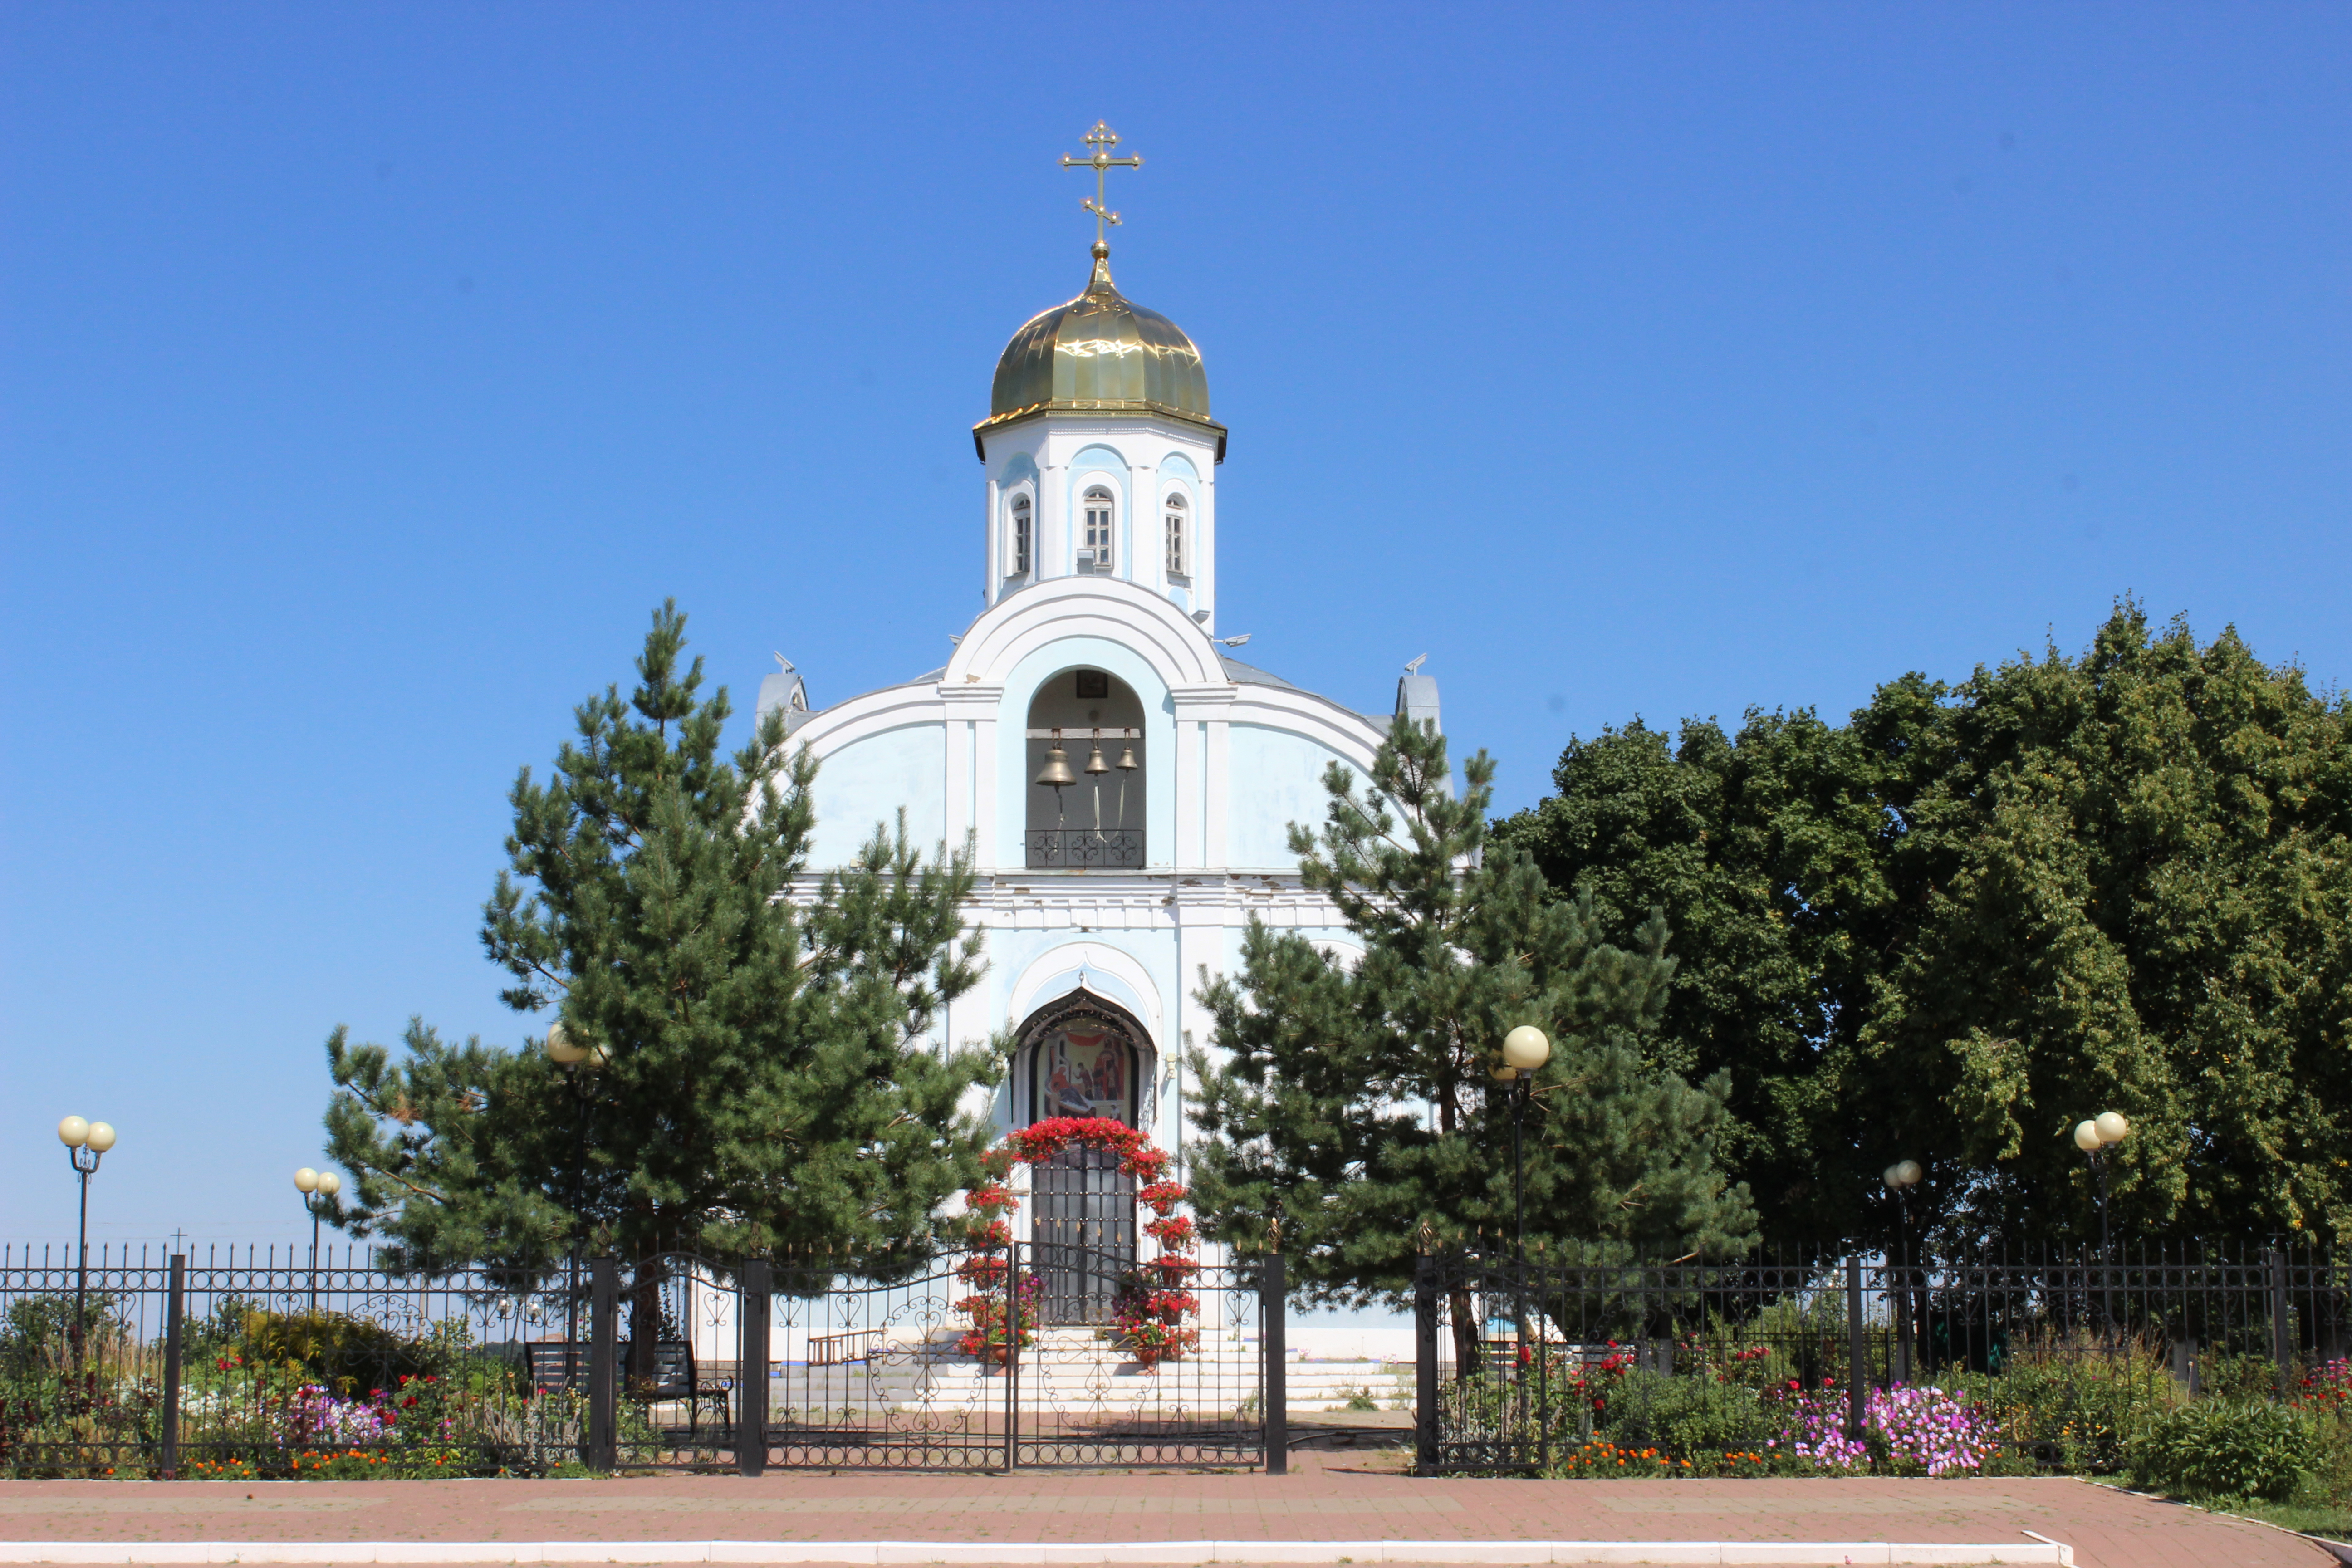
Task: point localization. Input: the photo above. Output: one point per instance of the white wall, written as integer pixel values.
(866, 780)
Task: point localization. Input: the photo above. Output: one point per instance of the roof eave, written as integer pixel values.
(995, 421)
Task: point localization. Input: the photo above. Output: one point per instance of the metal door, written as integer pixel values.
(1084, 1209)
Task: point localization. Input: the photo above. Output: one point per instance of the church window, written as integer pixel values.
(1095, 554)
(1021, 536)
(1177, 543)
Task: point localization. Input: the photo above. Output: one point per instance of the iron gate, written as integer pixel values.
(962, 1368)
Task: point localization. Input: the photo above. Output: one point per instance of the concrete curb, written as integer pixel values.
(1784, 1554)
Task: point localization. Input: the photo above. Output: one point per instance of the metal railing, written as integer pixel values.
(1518, 1361)
(248, 1366)
(1085, 849)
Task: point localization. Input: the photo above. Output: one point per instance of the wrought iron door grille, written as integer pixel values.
(1084, 1209)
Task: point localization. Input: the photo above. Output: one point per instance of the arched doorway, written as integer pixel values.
(1081, 1055)
(1094, 822)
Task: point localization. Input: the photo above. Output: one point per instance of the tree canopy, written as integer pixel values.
(1969, 916)
(1353, 1093)
(766, 1077)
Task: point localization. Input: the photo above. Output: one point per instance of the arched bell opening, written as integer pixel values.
(1086, 773)
(1081, 1055)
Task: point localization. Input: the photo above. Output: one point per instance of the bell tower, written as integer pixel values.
(1099, 453)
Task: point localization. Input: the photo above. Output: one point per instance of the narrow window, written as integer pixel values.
(1176, 543)
(1021, 536)
(1094, 556)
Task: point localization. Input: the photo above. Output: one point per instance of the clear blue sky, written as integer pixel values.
(369, 371)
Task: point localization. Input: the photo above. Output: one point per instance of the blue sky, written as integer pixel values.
(369, 371)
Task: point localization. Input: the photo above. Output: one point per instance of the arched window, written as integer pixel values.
(1179, 546)
(1095, 551)
(1020, 540)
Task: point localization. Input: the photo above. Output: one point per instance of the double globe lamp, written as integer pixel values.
(2095, 1138)
(83, 1137)
(318, 1189)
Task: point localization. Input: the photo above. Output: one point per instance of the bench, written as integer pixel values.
(563, 1364)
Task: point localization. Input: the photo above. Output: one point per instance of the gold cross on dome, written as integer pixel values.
(1101, 140)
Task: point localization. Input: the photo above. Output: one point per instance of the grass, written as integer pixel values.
(2331, 1519)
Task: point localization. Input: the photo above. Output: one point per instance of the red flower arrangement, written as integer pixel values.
(1150, 1305)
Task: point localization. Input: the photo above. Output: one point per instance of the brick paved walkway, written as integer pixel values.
(1335, 1496)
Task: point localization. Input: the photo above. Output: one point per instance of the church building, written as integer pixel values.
(1126, 783)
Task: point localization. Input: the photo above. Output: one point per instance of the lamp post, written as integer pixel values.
(1525, 1049)
(318, 1189)
(93, 1139)
(577, 1062)
(2095, 1138)
(1900, 1178)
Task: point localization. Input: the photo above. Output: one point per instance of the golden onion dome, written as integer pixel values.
(1099, 353)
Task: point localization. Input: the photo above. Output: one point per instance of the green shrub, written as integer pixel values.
(2072, 1410)
(2226, 1448)
(1686, 1417)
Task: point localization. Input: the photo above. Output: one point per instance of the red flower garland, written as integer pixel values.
(1152, 1302)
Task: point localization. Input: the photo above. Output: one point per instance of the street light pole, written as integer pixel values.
(577, 1062)
(1900, 1178)
(2095, 1138)
(318, 1189)
(93, 1139)
(1525, 1049)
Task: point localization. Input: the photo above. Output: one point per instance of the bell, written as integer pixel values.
(1126, 759)
(1095, 764)
(1056, 770)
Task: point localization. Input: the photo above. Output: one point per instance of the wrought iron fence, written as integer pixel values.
(263, 1366)
(1516, 1361)
(237, 1363)
(1085, 849)
(960, 1365)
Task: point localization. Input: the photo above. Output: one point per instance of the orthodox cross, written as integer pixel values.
(1101, 140)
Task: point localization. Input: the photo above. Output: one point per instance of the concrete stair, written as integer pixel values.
(1071, 1369)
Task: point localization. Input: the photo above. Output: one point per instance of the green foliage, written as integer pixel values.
(1952, 926)
(2222, 1448)
(2074, 1408)
(766, 1081)
(36, 1332)
(1687, 1416)
(345, 1354)
(1355, 1099)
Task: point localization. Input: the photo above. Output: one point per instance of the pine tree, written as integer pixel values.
(765, 1082)
(1355, 1101)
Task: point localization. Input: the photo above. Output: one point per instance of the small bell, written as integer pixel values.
(1056, 770)
(1095, 764)
(1126, 759)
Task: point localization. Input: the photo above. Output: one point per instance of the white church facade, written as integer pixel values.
(1125, 784)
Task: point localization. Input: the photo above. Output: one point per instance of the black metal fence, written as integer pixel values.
(263, 1365)
(1519, 1363)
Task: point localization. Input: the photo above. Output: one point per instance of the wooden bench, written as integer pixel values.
(563, 1364)
(557, 1364)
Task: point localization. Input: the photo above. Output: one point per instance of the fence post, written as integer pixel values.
(1013, 1356)
(2282, 1321)
(1424, 1364)
(1857, 1349)
(174, 1311)
(1273, 1298)
(604, 1362)
(751, 1366)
